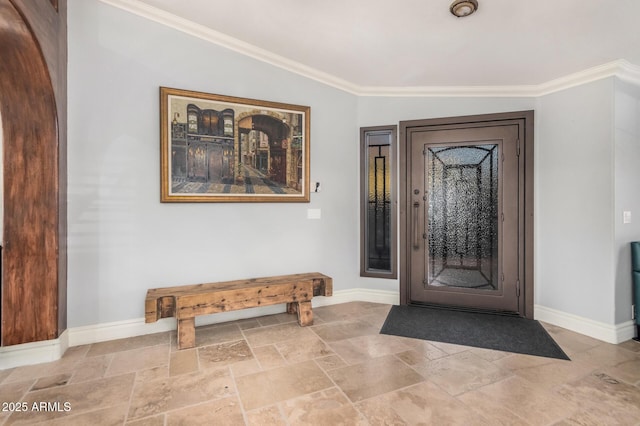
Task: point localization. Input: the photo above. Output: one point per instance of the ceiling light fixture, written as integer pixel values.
(462, 8)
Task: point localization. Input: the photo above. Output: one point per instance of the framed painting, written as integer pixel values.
(217, 148)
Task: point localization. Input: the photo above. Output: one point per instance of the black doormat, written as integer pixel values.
(481, 330)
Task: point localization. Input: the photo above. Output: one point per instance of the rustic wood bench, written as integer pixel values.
(188, 301)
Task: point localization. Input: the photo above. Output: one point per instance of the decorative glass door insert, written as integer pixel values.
(462, 240)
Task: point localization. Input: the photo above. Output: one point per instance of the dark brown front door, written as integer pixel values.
(463, 216)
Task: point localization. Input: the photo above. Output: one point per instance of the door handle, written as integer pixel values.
(416, 211)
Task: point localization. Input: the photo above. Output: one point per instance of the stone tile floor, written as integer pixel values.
(270, 371)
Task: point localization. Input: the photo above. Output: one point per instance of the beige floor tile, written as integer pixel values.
(139, 359)
(13, 392)
(545, 372)
(328, 407)
(295, 351)
(276, 333)
(30, 372)
(268, 357)
(79, 398)
(631, 345)
(628, 371)
(599, 391)
(128, 344)
(376, 316)
(363, 348)
(450, 348)
(342, 311)
(426, 348)
(158, 420)
(223, 354)
(51, 381)
(374, 377)
(4, 374)
(571, 342)
(266, 416)
(151, 374)
(282, 318)
(528, 402)
(247, 324)
(217, 333)
(411, 357)
(272, 386)
(489, 354)
(609, 355)
(596, 416)
(330, 362)
(332, 332)
(243, 368)
(281, 374)
(421, 404)
(183, 362)
(158, 396)
(91, 368)
(461, 372)
(491, 409)
(221, 412)
(111, 416)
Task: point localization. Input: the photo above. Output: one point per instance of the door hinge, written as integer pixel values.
(518, 148)
(502, 216)
(518, 288)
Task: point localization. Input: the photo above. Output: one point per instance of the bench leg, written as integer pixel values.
(305, 314)
(186, 333)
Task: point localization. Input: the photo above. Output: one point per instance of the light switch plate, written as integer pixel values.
(626, 216)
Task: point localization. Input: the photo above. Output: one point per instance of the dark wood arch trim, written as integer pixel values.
(32, 108)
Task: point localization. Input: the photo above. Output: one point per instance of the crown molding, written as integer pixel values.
(619, 68)
(207, 34)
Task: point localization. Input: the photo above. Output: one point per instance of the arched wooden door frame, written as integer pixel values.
(33, 110)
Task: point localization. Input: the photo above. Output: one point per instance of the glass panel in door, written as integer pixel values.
(462, 243)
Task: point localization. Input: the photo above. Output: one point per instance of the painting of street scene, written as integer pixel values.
(222, 149)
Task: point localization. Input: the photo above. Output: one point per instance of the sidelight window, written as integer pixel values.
(378, 202)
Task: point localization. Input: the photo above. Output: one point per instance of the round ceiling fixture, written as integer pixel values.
(462, 8)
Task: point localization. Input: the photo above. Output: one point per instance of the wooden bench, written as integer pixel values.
(188, 301)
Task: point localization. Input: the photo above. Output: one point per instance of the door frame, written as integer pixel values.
(524, 120)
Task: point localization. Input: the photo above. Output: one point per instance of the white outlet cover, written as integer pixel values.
(314, 213)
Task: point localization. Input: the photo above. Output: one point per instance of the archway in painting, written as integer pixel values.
(264, 145)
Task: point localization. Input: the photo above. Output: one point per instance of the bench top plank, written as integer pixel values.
(188, 290)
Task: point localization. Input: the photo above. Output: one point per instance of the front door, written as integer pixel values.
(463, 216)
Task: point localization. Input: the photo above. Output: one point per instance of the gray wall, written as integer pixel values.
(122, 240)
(574, 201)
(627, 191)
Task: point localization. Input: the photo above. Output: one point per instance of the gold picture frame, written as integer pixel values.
(217, 148)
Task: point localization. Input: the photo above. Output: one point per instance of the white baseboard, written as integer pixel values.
(606, 332)
(51, 350)
(34, 353)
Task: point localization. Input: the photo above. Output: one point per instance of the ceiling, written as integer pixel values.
(418, 43)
